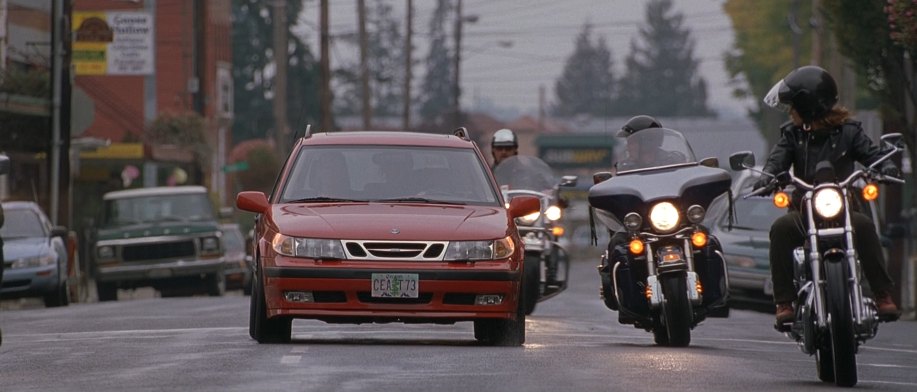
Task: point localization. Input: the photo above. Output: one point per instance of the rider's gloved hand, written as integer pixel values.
(762, 182)
(891, 171)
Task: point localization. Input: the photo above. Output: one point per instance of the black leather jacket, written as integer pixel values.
(842, 146)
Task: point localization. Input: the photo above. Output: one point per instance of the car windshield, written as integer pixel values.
(525, 172)
(157, 209)
(21, 223)
(388, 174)
(756, 214)
(655, 147)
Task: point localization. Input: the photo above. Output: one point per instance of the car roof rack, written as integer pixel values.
(462, 133)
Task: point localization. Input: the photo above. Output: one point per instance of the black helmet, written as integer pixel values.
(810, 90)
(638, 123)
(504, 138)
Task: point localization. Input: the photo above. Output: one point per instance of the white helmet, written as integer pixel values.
(504, 138)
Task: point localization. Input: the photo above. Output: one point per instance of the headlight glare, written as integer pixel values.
(553, 213)
(664, 216)
(828, 202)
(530, 218)
(315, 248)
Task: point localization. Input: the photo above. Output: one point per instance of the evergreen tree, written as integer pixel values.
(252, 54)
(661, 74)
(385, 46)
(436, 86)
(585, 86)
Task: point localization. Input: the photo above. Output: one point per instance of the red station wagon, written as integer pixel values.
(387, 226)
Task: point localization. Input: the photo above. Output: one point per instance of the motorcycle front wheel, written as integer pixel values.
(676, 310)
(843, 339)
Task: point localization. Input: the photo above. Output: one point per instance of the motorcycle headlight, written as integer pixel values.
(633, 221)
(553, 213)
(696, 213)
(828, 202)
(664, 217)
(314, 248)
(529, 219)
(480, 250)
(27, 262)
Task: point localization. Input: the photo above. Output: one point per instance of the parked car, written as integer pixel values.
(387, 226)
(238, 274)
(35, 255)
(164, 237)
(746, 244)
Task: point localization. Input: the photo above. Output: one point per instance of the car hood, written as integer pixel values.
(155, 229)
(18, 248)
(380, 221)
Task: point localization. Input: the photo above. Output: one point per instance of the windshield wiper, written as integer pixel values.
(416, 200)
(322, 199)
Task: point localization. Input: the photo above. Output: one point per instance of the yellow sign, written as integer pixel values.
(116, 151)
(113, 43)
(90, 31)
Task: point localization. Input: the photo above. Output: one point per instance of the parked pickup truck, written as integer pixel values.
(167, 238)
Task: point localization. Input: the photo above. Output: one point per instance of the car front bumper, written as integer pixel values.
(342, 291)
(156, 271)
(29, 282)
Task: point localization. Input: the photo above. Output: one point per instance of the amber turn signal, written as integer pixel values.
(781, 200)
(699, 239)
(870, 192)
(636, 247)
(558, 231)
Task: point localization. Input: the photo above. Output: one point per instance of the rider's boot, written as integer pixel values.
(885, 306)
(785, 315)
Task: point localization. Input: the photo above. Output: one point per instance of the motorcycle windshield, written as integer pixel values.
(655, 147)
(525, 172)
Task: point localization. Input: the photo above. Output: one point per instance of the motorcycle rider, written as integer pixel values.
(504, 144)
(820, 130)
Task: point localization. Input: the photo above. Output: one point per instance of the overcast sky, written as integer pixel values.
(541, 34)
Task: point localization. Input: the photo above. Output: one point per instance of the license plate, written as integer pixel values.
(395, 285)
(768, 286)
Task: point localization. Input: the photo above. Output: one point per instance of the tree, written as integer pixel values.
(185, 130)
(763, 54)
(586, 84)
(661, 74)
(386, 64)
(436, 86)
(252, 56)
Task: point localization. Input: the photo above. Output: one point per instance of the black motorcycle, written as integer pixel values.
(833, 317)
(546, 261)
(669, 274)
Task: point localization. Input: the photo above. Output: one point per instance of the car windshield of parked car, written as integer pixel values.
(21, 223)
(157, 208)
(756, 214)
(388, 174)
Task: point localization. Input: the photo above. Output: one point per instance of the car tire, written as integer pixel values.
(107, 291)
(247, 285)
(263, 329)
(502, 332)
(532, 282)
(216, 284)
(60, 296)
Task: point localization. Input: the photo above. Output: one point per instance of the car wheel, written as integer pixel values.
(247, 285)
(531, 282)
(107, 291)
(264, 329)
(502, 332)
(60, 296)
(216, 284)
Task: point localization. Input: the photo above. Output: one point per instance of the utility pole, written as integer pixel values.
(282, 129)
(457, 89)
(325, 68)
(541, 111)
(364, 66)
(408, 50)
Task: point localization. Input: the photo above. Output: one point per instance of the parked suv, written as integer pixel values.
(387, 226)
(164, 237)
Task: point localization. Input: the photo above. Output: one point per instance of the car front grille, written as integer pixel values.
(159, 251)
(395, 250)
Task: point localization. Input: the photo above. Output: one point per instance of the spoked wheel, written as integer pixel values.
(676, 310)
(840, 323)
(531, 282)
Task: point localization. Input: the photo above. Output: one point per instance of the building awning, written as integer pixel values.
(115, 151)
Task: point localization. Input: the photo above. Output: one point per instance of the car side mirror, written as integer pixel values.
(252, 201)
(59, 231)
(601, 177)
(524, 205)
(569, 181)
(710, 162)
(742, 160)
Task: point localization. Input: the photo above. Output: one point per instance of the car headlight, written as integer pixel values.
(529, 219)
(27, 262)
(480, 250)
(314, 248)
(828, 202)
(664, 217)
(553, 213)
(210, 245)
(105, 252)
